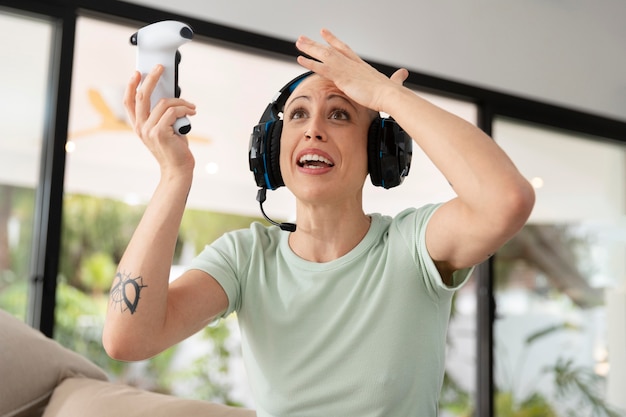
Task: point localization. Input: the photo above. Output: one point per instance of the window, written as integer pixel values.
(23, 82)
(560, 283)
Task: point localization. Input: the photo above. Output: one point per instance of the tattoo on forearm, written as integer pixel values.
(125, 292)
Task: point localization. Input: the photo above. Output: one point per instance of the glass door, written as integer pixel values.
(560, 284)
(24, 75)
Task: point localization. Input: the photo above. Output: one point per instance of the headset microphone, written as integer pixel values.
(287, 227)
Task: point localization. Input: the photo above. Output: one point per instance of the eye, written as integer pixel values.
(297, 113)
(339, 114)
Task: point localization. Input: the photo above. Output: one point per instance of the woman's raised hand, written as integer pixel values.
(337, 62)
(155, 127)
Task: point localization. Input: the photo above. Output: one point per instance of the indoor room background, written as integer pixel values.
(544, 78)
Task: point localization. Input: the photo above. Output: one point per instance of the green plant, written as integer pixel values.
(578, 388)
(95, 234)
(533, 406)
(575, 386)
(207, 376)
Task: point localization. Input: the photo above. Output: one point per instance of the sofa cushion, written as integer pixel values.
(81, 397)
(31, 366)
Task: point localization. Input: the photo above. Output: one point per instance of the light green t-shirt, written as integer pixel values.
(362, 335)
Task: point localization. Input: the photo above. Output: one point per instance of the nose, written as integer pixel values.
(310, 135)
(314, 130)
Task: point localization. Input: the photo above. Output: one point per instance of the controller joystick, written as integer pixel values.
(158, 43)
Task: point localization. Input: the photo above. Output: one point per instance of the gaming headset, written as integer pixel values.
(389, 149)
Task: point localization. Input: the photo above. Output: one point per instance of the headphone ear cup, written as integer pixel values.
(373, 152)
(264, 149)
(389, 153)
(273, 155)
(256, 154)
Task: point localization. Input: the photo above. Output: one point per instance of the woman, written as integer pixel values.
(347, 315)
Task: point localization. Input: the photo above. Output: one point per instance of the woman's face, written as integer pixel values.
(323, 151)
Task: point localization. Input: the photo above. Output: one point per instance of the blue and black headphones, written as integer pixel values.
(389, 148)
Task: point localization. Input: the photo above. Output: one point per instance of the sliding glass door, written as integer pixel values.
(560, 284)
(24, 77)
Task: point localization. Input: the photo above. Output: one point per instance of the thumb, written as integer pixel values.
(400, 76)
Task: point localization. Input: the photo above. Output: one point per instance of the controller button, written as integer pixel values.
(186, 33)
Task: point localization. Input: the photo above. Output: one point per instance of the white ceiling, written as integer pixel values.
(567, 52)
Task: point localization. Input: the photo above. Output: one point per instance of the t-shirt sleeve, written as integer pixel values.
(412, 224)
(220, 260)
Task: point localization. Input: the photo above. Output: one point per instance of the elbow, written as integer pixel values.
(114, 347)
(525, 200)
(517, 205)
(120, 348)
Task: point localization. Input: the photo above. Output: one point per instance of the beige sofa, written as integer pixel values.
(39, 377)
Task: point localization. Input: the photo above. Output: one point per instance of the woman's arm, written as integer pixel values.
(493, 199)
(146, 314)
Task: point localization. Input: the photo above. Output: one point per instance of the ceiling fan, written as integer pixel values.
(112, 122)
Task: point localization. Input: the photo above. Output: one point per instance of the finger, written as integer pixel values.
(167, 111)
(142, 98)
(310, 64)
(311, 48)
(400, 76)
(163, 104)
(336, 43)
(129, 96)
(319, 58)
(152, 78)
(174, 113)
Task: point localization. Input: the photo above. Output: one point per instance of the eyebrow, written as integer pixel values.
(330, 97)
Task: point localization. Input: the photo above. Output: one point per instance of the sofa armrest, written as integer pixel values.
(80, 397)
(31, 366)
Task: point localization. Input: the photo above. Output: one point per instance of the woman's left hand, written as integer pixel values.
(337, 62)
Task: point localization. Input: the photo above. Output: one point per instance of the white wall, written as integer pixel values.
(566, 52)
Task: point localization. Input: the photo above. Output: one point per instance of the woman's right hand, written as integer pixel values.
(155, 127)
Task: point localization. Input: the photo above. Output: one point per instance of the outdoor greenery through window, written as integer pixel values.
(94, 237)
(560, 333)
(23, 82)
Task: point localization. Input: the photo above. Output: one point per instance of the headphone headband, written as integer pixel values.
(277, 105)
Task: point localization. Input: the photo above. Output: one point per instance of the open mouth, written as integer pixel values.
(314, 161)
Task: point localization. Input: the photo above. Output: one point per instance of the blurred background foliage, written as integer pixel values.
(95, 234)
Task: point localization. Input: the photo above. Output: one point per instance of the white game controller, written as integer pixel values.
(158, 43)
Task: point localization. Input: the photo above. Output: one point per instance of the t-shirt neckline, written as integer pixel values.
(368, 240)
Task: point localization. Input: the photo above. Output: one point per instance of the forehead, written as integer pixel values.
(314, 82)
(315, 86)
